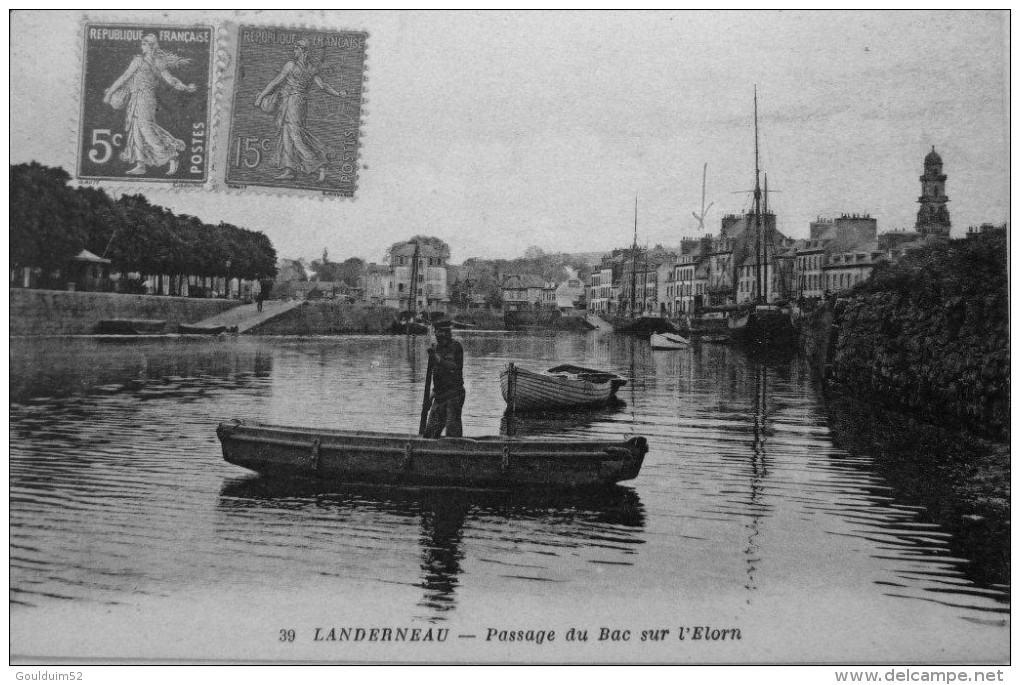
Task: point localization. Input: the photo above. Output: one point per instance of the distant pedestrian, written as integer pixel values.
(259, 298)
(447, 359)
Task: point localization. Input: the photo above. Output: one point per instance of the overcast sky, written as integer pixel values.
(498, 131)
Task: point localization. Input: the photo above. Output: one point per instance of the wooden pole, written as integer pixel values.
(426, 402)
(511, 401)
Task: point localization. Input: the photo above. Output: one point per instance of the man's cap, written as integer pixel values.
(443, 325)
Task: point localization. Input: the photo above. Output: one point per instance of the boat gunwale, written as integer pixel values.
(611, 452)
(612, 379)
(230, 429)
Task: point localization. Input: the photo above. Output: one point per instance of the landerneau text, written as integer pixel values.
(381, 634)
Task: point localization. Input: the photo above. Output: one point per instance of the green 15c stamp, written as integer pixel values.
(145, 103)
(296, 112)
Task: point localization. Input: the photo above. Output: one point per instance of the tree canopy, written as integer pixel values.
(438, 244)
(51, 222)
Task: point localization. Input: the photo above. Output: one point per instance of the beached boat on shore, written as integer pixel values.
(560, 387)
(373, 457)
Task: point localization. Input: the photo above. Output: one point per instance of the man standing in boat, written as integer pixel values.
(447, 361)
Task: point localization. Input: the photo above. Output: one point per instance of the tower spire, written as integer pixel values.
(933, 215)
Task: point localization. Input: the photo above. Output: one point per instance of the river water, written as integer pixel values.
(763, 517)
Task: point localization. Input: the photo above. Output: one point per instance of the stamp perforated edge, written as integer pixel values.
(226, 115)
(218, 59)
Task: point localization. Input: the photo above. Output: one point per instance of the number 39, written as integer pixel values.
(101, 149)
(287, 635)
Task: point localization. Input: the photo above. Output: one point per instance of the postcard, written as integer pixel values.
(519, 337)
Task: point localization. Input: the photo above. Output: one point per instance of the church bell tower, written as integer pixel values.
(933, 215)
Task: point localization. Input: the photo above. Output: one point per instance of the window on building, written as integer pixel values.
(400, 288)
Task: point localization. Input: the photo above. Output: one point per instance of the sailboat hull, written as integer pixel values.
(644, 326)
(764, 325)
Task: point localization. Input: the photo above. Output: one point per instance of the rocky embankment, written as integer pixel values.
(929, 336)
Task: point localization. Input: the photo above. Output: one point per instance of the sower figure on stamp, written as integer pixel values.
(447, 359)
(297, 148)
(148, 143)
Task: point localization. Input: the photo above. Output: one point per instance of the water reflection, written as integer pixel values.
(445, 517)
(759, 472)
(755, 489)
(164, 368)
(554, 422)
(927, 469)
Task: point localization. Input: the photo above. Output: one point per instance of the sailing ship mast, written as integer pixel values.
(412, 293)
(767, 239)
(633, 265)
(758, 242)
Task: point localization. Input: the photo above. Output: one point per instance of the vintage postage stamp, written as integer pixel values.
(146, 103)
(296, 110)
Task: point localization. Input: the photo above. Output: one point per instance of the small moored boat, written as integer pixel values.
(130, 326)
(372, 457)
(561, 386)
(410, 323)
(668, 341)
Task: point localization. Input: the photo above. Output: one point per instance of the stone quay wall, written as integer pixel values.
(929, 336)
(60, 312)
(327, 317)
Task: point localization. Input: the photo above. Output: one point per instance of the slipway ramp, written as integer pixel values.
(598, 322)
(248, 316)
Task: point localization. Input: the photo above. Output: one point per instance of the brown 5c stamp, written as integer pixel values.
(296, 113)
(145, 103)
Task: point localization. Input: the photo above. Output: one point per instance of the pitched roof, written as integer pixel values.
(523, 281)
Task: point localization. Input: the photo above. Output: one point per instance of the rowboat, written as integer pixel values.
(668, 341)
(130, 326)
(194, 329)
(410, 323)
(556, 388)
(344, 456)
